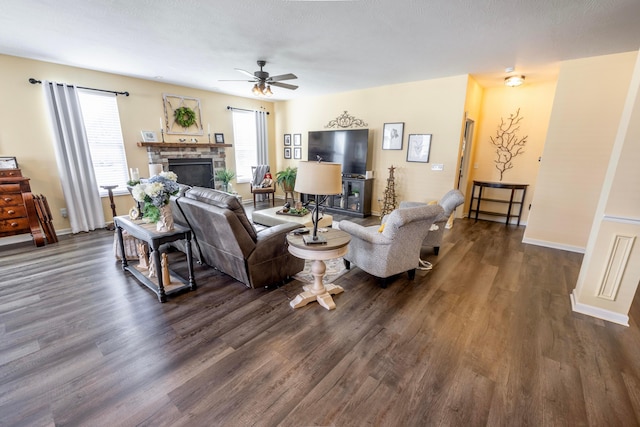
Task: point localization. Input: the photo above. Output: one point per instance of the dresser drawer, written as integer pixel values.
(11, 199)
(15, 224)
(10, 173)
(7, 212)
(10, 188)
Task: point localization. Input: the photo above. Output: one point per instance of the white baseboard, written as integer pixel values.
(554, 245)
(12, 240)
(599, 313)
(24, 238)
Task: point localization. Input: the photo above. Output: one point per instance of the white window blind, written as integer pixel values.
(245, 144)
(102, 123)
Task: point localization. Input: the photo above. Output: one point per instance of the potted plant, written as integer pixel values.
(225, 175)
(287, 178)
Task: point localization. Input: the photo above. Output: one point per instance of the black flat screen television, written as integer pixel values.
(348, 147)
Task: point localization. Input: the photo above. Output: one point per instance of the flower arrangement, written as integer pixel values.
(155, 193)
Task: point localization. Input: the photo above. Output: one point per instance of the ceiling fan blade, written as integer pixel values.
(282, 77)
(284, 85)
(246, 72)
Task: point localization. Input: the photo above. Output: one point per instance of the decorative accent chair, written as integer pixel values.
(449, 202)
(258, 173)
(394, 247)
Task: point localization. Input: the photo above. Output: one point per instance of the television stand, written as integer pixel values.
(355, 199)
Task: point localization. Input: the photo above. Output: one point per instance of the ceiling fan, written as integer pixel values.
(262, 81)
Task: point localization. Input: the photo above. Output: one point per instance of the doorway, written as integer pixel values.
(465, 159)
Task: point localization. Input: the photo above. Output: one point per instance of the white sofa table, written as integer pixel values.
(269, 217)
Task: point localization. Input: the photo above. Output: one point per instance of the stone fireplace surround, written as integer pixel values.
(161, 152)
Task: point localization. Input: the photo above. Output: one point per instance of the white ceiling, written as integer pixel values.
(332, 46)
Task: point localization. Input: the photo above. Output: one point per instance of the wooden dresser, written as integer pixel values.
(17, 209)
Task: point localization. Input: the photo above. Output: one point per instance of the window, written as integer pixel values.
(245, 144)
(102, 123)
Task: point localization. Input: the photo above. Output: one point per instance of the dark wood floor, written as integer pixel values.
(485, 338)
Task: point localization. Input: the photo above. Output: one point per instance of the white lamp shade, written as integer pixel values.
(319, 178)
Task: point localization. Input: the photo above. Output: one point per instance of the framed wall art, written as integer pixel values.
(297, 139)
(8, 163)
(297, 152)
(287, 152)
(219, 138)
(182, 115)
(392, 135)
(149, 136)
(287, 139)
(418, 148)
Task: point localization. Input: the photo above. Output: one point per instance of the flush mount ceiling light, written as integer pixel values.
(513, 81)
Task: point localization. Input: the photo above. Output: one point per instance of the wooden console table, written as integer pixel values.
(154, 239)
(511, 202)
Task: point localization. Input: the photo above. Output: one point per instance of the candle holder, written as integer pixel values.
(209, 135)
(162, 134)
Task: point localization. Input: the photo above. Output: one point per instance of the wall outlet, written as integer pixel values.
(63, 212)
(437, 167)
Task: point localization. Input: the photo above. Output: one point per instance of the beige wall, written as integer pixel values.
(586, 112)
(610, 271)
(433, 107)
(534, 101)
(25, 131)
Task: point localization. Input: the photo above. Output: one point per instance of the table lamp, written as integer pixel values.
(320, 179)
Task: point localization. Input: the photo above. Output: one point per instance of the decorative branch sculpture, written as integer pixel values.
(507, 143)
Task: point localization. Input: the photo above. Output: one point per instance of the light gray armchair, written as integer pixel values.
(396, 248)
(449, 203)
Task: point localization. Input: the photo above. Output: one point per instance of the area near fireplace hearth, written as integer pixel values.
(194, 163)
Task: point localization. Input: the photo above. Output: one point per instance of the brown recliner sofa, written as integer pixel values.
(226, 240)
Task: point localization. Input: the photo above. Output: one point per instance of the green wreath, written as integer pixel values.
(184, 116)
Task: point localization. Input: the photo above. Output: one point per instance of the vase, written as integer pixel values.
(165, 223)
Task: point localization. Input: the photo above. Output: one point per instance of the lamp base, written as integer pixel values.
(309, 240)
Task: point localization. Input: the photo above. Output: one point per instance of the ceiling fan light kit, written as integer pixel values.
(261, 90)
(262, 82)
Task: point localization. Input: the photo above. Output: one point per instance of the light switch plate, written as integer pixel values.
(437, 167)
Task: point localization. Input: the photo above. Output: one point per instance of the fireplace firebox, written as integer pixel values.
(196, 172)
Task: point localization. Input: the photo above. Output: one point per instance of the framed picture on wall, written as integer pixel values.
(297, 152)
(297, 139)
(219, 137)
(392, 135)
(287, 139)
(149, 136)
(287, 152)
(418, 148)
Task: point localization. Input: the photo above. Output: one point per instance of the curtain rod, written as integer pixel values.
(243, 109)
(34, 81)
